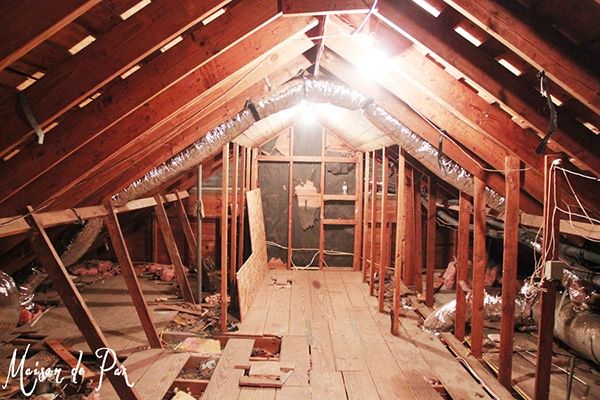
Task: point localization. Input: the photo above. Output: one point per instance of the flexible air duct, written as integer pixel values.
(9, 305)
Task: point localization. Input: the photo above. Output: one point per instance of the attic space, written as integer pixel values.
(299, 199)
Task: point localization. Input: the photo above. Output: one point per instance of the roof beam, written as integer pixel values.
(323, 7)
(515, 34)
(27, 23)
(431, 32)
(171, 139)
(84, 73)
(124, 97)
(346, 73)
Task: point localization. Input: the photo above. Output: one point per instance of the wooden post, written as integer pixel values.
(186, 227)
(479, 264)
(322, 211)
(254, 173)
(74, 302)
(120, 248)
(509, 269)
(409, 255)
(462, 267)
(224, 216)
(373, 228)
(365, 216)
(167, 234)
(418, 236)
(551, 237)
(234, 212)
(199, 211)
(290, 203)
(358, 207)
(243, 189)
(431, 238)
(384, 239)
(400, 241)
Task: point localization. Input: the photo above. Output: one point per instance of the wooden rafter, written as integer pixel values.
(506, 88)
(512, 31)
(124, 97)
(323, 7)
(83, 74)
(27, 23)
(146, 127)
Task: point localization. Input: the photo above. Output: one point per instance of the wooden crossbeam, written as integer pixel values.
(16, 225)
(75, 304)
(505, 87)
(216, 80)
(171, 245)
(203, 45)
(323, 7)
(27, 23)
(511, 30)
(81, 75)
(111, 221)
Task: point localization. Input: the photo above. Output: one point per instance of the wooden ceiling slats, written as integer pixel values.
(335, 65)
(27, 23)
(124, 147)
(323, 7)
(572, 138)
(515, 34)
(128, 95)
(118, 50)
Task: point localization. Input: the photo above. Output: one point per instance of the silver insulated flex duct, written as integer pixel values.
(289, 95)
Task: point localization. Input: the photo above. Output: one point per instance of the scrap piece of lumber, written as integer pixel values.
(65, 354)
(171, 307)
(294, 349)
(260, 382)
(200, 345)
(283, 366)
(224, 383)
(487, 380)
(157, 380)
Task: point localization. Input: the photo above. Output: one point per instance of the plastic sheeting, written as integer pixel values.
(9, 305)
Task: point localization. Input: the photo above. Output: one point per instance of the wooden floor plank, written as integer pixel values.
(254, 320)
(300, 310)
(359, 385)
(338, 295)
(278, 315)
(247, 393)
(347, 349)
(328, 386)
(136, 364)
(321, 355)
(294, 349)
(321, 307)
(157, 379)
(224, 383)
(294, 393)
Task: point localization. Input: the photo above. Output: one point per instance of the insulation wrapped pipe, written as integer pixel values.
(578, 328)
(290, 95)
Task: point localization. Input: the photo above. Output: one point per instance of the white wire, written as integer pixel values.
(327, 252)
(593, 178)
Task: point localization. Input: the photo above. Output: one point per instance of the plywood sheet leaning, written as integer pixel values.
(253, 272)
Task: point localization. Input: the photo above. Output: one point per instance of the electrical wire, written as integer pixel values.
(327, 252)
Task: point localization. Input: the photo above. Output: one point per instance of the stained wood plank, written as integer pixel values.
(295, 349)
(224, 383)
(157, 379)
(294, 393)
(328, 385)
(346, 346)
(27, 23)
(254, 321)
(359, 385)
(338, 295)
(137, 364)
(247, 393)
(300, 310)
(278, 315)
